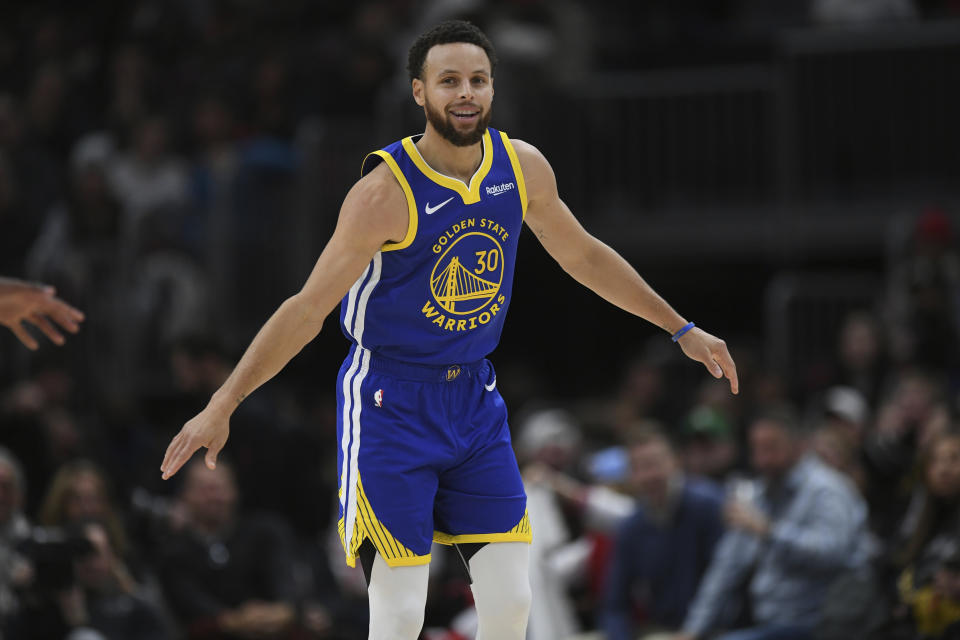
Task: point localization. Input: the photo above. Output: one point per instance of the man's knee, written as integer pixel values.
(399, 617)
(397, 597)
(516, 605)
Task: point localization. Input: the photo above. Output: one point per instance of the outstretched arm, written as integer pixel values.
(601, 269)
(38, 305)
(373, 213)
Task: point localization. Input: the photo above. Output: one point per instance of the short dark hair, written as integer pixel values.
(448, 32)
(782, 415)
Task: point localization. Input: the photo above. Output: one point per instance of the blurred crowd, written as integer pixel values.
(157, 166)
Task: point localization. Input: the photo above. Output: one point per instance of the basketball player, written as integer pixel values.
(422, 263)
(35, 304)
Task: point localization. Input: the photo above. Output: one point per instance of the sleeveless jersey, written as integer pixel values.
(440, 295)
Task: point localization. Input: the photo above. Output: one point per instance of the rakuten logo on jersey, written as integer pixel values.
(503, 187)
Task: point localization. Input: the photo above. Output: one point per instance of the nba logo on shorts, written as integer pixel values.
(378, 397)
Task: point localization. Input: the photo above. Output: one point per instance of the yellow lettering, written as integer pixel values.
(473, 323)
(483, 223)
(461, 325)
(450, 323)
(471, 223)
(439, 320)
(504, 236)
(429, 310)
(482, 321)
(501, 298)
(442, 240)
(436, 248)
(494, 308)
(449, 235)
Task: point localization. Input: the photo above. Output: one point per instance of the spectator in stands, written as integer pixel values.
(664, 548)
(147, 178)
(547, 445)
(78, 494)
(228, 574)
(14, 528)
(80, 591)
(930, 552)
(709, 446)
(838, 437)
(78, 246)
(913, 416)
(923, 296)
(783, 548)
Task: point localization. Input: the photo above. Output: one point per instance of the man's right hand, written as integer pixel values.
(210, 428)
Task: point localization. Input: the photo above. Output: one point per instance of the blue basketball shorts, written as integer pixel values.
(425, 455)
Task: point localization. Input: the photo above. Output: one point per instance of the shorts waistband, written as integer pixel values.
(426, 372)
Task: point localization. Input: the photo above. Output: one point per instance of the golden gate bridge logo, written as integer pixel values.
(468, 274)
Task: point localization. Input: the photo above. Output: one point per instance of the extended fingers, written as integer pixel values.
(179, 451)
(24, 336)
(725, 360)
(63, 314)
(47, 328)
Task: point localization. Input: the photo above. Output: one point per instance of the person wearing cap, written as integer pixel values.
(709, 448)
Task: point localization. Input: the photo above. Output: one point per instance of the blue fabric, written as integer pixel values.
(818, 522)
(771, 632)
(443, 299)
(663, 564)
(430, 455)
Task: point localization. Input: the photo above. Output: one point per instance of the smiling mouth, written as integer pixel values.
(465, 115)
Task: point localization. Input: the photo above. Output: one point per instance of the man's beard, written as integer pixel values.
(445, 126)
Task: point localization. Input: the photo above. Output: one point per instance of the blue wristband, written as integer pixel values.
(679, 334)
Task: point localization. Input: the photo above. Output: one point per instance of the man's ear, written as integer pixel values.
(418, 91)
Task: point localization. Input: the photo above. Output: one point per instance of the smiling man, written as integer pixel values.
(422, 264)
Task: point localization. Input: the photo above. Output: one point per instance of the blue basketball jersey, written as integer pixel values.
(441, 294)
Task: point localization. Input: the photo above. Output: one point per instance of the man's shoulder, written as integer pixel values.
(703, 491)
(379, 187)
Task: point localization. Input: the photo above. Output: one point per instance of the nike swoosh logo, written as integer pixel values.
(430, 209)
(491, 386)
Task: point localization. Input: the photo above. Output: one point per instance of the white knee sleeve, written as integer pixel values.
(501, 590)
(397, 597)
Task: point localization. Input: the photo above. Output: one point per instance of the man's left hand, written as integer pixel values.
(712, 353)
(746, 518)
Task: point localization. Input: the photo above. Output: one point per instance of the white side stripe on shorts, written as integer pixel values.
(345, 439)
(353, 403)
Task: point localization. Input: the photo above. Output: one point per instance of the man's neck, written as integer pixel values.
(449, 159)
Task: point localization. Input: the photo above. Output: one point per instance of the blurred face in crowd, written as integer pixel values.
(151, 140)
(209, 496)
(652, 465)
(10, 494)
(86, 499)
(456, 91)
(859, 342)
(915, 398)
(773, 449)
(94, 571)
(943, 469)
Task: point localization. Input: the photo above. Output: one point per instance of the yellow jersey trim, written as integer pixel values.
(517, 171)
(520, 533)
(367, 526)
(469, 195)
(411, 202)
